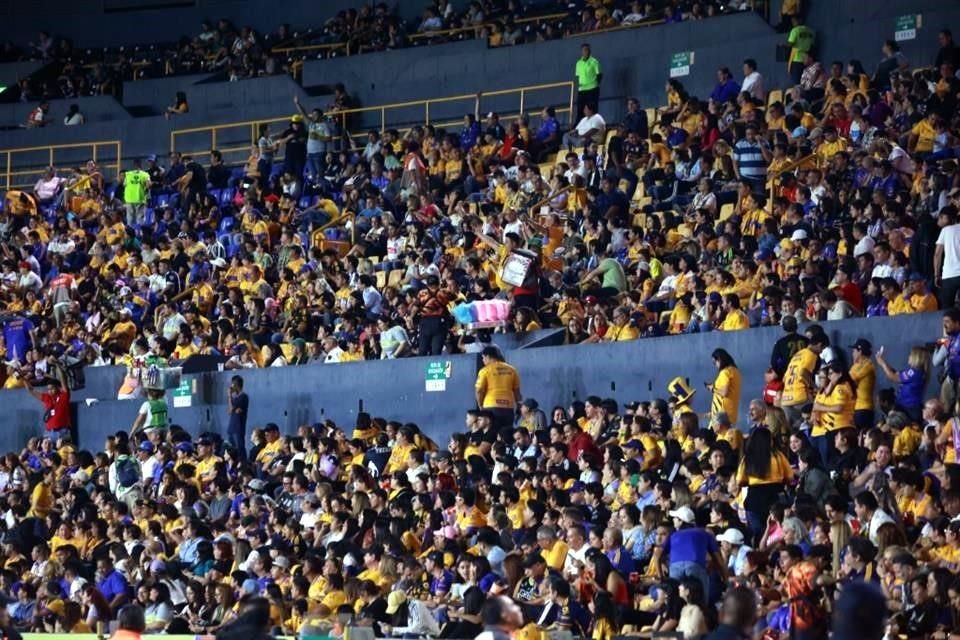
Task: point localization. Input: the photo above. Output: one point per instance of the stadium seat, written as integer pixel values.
(725, 211)
(227, 224)
(305, 202)
(395, 277)
(381, 279)
(163, 200)
(226, 197)
(775, 95)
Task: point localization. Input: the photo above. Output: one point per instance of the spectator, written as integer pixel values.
(74, 116)
(178, 107)
(588, 75)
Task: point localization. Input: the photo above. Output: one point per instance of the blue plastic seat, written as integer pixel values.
(163, 200)
(305, 202)
(226, 197)
(227, 224)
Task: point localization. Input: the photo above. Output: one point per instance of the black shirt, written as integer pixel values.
(218, 176)
(636, 121)
(297, 144)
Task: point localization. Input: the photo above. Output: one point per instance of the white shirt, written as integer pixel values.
(753, 84)
(333, 356)
(882, 271)
(148, 466)
(595, 121)
(949, 239)
(574, 556)
(878, 519)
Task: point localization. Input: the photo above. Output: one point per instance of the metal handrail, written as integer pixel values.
(253, 125)
(34, 168)
(347, 215)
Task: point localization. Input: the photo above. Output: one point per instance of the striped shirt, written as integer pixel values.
(750, 160)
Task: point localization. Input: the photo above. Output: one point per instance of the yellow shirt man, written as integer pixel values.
(798, 380)
(621, 334)
(498, 385)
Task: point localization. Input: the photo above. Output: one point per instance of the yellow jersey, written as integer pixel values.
(843, 396)
(779, 472)
(864, 375)
(736, 320)
(728, 378)
(499, 386)
(798, 380)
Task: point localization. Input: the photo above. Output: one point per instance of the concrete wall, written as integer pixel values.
(553, 375)
(635, 62)
(865, 25)
(11, 72)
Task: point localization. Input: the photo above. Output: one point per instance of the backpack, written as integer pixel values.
(128, 472)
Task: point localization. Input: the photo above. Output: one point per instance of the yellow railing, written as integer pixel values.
(235, 140)
(22, 167)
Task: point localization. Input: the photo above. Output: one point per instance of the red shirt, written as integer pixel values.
(580, 442)
(59, 403)
(851, 293)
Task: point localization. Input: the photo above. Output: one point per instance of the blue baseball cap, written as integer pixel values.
(146, 446)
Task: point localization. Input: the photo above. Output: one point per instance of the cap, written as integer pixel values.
(798, 235)
(219, 263)
(125, 311)
(590, 300)
(798, 132)
(272, 198)
(634, 444)
(394, 601)
(186, 447)
(146, 446)
(296, 118)
(684, 514)
(448, 532)
(23, 264)
(816, 133)
(578, 486)
(863, 346)
(731, 536)
(715, 298)
(158, 566)
(80, 476)
(917, 277)
(257, 485)
(282, 561)
(492, 114)
(250, 586)
(204, 442)
(530, 403)
(152, 157)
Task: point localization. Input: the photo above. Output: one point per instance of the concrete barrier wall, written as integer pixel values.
(553, 375)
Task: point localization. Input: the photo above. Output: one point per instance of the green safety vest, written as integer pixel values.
(158, 414)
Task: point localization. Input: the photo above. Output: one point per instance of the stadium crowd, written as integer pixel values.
(831, 496)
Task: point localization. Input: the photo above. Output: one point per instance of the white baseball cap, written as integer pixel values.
(731, 536)
(683, 513)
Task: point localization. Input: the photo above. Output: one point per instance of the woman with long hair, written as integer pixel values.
(725, 387)
(911, 381)
(606, 617)
(833, 409)
(763, 470)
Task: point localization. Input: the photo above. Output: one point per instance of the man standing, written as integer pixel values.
(136, 188)
(497, 388)
(238, 404)
(56, 401)
(946, 257)
(433, 322)
(801, 40)
(318, 136)
(588, 75)
(751, 155)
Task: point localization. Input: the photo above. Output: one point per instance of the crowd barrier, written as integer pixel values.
(434, 392)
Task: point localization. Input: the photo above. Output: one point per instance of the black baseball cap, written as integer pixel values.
(863, 346)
